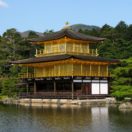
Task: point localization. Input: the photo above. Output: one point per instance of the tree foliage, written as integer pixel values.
(118, 43)
(8, 87)
(122, 79)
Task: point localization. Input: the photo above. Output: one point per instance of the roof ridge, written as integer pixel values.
(69, 33)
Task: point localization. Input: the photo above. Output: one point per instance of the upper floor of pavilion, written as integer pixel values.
(67, 41)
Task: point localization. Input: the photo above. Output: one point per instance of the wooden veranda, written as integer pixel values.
(60, 95)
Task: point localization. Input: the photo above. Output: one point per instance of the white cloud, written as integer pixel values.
(3, 4)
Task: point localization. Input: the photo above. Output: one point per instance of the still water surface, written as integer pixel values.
(73, 119)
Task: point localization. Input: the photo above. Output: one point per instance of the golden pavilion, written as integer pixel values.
(68, 66)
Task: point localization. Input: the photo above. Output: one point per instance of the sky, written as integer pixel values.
(40, 15)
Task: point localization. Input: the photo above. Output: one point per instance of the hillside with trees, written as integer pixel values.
(122, 79)
(118, 45)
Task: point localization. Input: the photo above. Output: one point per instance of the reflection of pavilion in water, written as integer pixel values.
(74, 118)
(100, 117)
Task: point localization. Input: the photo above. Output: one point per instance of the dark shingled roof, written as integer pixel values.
(63, 57)
(68, 33)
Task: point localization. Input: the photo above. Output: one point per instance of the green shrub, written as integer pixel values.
(9, 87)
(122, 80)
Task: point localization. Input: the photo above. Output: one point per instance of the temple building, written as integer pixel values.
(68, 66)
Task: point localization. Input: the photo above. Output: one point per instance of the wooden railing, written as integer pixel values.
(26, 75)
(32, 75)
(59, 95)
(40, 53)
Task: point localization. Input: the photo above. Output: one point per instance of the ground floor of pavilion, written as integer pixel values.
(66, 87)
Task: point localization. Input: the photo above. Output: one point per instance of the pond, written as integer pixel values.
(72, 119)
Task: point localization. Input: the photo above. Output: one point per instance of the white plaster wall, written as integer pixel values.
(103, 88)
(95, 88)
(99, 88)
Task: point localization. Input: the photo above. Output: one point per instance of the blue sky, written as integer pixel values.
(40, 15)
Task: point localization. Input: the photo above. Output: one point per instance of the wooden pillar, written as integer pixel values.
(34, 87)
(88, 49)
(81, 69)
(65, 46)
(27, 88)
(90, 69)
(99, 70)
(72, 86)
(27, 72)
(107, 74)
(54, 86)
(73, 47)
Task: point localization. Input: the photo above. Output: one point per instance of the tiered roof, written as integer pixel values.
(64, 57)
(67, 33)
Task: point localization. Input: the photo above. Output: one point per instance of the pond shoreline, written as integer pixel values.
(127, 105)
(59, 102)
